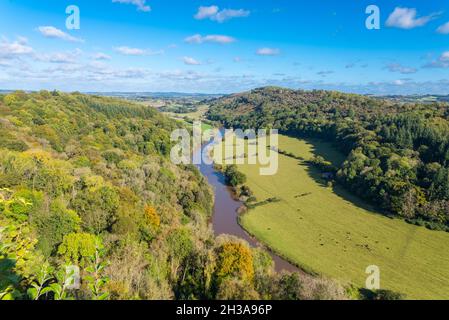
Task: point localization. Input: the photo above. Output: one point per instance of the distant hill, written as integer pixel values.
(156, 95)
(397, 153)
(143, 95)
(417, 98)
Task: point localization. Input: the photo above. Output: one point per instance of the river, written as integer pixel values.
(225, 217)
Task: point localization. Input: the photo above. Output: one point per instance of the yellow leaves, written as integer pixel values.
(17, 243)
(235, 259)
(39, 156)
(10, 99)
(152, 217)
(128, 165)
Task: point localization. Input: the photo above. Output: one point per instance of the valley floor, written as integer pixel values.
(326, 230)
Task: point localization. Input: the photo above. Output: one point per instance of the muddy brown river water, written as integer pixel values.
(225, 218)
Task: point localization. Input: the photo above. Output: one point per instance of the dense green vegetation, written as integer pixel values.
(195, 113)
(86, 181)
(397, 155)
(233, 177)
(180, 109)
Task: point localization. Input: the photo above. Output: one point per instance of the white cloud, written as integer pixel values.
(228, 14)
(406, 18)
(268, 52)
(127, 51)
(94, 71)
(445, 56)
(140, 4)
(396, 67)
(22, 40)
(191, 61)
(197, 38)
(52, 32)
(444, 29)
(130, 51)
(5, 63)
(442, 62)
(16, 48)
(206, 12)
(213, 13)
(60, 57)
(101, 56)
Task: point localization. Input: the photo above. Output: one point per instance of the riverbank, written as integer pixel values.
(225, 219)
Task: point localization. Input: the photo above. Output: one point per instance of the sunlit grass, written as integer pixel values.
(327, 230)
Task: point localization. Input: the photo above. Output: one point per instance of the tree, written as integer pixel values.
(235, 260)
(233, 176)
(78, 248)
(235, 289)
(54, 225)
(288, 287)
(97, 204)
(152, 217)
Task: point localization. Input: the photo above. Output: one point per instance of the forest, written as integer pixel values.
(86, 184)
(397, 154)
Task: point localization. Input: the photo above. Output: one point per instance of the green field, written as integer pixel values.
(326, 230)
(198, 115)
(193, 116)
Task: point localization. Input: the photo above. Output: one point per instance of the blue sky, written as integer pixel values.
(225, 46)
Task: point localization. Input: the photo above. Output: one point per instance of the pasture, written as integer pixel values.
(326, 230)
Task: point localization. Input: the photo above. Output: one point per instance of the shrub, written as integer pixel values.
(234, 289)
(381, 295)
(53, 226)
(235, 260)
(78, 248)
(152, 217)
(97, 207)
(233, 176)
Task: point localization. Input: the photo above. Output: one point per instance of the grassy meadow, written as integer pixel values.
(326, 230)
(192, 116)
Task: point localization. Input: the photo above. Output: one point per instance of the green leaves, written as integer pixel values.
(233, 176)
(95, 278)
(40, 285)
(64, 195)
(79, 248)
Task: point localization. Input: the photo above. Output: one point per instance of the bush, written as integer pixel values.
(79, 248)
(112, 156)
(235, 260)
(381, 295)
(97, 207)
(246, 191)
(233, 289)
(288, 287)
(233, 177)
(53, 226)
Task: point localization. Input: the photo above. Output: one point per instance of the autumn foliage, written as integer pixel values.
(235, 260)
(152, 216)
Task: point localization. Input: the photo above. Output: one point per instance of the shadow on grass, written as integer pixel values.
(319, 147)
(337, 189)
(327, 150)
(330, 153)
